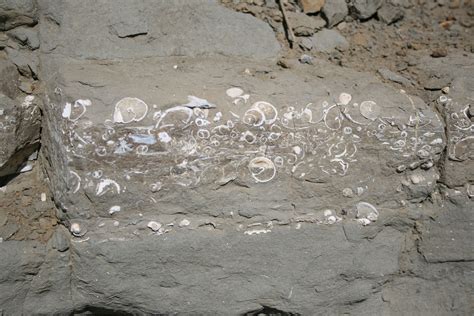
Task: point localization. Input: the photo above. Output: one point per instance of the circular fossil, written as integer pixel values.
(130, 109)
(262, 169)
(370, 110)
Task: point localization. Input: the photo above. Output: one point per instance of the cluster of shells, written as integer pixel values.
(197, 143)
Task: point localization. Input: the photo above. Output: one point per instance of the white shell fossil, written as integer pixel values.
(234, 92)
(184, 223)
(74, 112)
(370, 110)
(129, 110)
(154, 226)
(260, 113)
(268, 110)
(77, 230)
(106, 185)
(114, 209)
(345, 98)
(262, 169)
(367, 210)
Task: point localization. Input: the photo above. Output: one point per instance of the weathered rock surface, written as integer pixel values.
(141, 29)
(329, 41)
(20, 124)
(15, 13)
(194, 176)
(455, 109)
(335, 11)
(364, 9)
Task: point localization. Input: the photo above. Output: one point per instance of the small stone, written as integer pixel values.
(154, 226)
(43, 197)
(389, 13)
(306, 59)
(365, 9)
(335, 11)
(439, 52)
(328, 41)
(60, 240)
(341, 26)
(306, 43)
(445, 90)
(311, 6)
(184, 223)
(116, 223)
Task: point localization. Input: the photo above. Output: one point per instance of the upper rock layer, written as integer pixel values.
(138, 29)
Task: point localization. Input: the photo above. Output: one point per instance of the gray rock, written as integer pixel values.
(19, 136)
(390, 75)
(26, 61)
(9, 83)
(19, 264)
(178, 28)
(335, 11)
(306, 43)
(328, 41)
(26, 36)
(304, 25)
(454, 72)
(364, 9)
(15, 13)
(60, 240)
(390, 13)
(449, 237)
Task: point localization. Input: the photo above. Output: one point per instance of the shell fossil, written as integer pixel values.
(370, 110)
(128, 110)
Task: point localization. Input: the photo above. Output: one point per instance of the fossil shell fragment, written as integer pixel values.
(234, 92)
(370, 110)
(262, 169)
(367, 210)
(129, 109)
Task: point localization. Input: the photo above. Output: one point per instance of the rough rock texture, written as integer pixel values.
(20, 124)
(328, 41)
(364, 9)
(141, 29)
(193, 175)
(335, 11)
(15, 13)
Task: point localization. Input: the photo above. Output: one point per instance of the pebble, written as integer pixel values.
(439, 52)
(116, 223)
(154, 226)
(43, 197)
(445, 90)
(306, 59)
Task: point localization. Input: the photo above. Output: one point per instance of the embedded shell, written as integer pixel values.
(129, 109)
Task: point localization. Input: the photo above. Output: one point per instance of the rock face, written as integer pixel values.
(141, 29)
(20, 123)
(192, 175)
